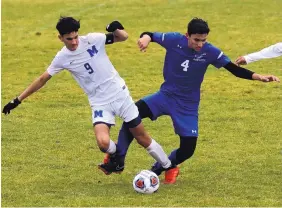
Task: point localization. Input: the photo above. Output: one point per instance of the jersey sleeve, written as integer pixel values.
(55, 66)
(219, 59)
(272, 51)
(167, 40)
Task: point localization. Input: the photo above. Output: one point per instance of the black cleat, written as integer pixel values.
(113, 165)
(157, 170)
(109, 168)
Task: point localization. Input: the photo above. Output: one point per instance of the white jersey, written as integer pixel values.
(91, 68)
(269, 52)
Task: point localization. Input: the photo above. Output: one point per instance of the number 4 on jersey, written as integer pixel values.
(185, 65)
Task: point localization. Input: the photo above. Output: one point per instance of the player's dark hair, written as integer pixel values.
(198, 26)
(67, 25)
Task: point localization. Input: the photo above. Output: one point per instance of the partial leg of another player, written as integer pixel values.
(177, 156)
(153, 148)
(128, 111)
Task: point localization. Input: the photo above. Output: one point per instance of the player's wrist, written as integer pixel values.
(18, 100)
(150, 34)
(256, 76)
(246, 59)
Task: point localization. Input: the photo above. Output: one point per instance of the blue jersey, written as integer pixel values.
(184, 68)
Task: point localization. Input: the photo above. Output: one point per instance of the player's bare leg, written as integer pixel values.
(102, 133)
(141, 136)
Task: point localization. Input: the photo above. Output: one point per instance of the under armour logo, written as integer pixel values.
(98, 113)
(178, 46)
(194, 131)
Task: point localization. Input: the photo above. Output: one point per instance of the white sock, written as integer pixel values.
(112, 147)
(157, 152)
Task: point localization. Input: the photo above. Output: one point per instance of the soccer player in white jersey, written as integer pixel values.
(272, 51)
(86, 59)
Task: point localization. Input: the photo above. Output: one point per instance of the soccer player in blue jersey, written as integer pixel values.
(186, 61)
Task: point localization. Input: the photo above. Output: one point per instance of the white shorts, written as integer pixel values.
(123, 106)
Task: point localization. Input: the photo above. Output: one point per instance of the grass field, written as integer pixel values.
(49, 153)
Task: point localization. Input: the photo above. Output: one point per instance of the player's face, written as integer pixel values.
(196, 41)
(70, 40)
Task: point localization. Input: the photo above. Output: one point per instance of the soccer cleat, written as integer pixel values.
(106, 158)
(111, 167)
(112, 164)
(157, 169)
(171, 175)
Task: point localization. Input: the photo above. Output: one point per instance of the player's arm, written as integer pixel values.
(247, 74)
(33, 87)
(116, 33)
(144, 40)
(269, 52)
(166, 40)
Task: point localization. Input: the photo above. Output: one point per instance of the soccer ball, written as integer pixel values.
(146, 182)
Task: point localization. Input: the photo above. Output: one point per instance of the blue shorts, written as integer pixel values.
(184, 115)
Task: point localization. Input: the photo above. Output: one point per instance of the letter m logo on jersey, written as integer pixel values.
(92, 51)
(98, 113)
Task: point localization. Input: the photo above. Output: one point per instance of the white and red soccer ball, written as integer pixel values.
(146, 182)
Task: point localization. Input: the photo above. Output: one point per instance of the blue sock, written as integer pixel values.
(172, 158)
(124, 140)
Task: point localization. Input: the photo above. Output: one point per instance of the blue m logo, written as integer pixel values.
(98, 113)
(92, 51)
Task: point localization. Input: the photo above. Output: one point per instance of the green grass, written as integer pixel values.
(49, 153)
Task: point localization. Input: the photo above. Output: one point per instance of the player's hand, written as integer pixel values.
(113, 26)
(144, 42)
(241, 61)
(11, 105)
(265, 78)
